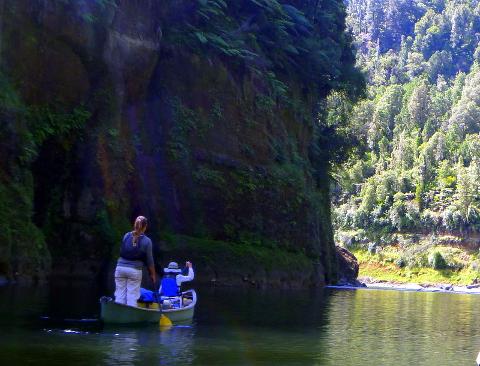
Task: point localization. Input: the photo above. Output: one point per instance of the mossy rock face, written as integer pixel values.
(23, 251)
(115, 117)
(232, 264)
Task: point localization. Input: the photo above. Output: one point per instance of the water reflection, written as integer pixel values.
(123, 349)
(151, 345)
(177, 343)
(237, 327)
(19, 304)
(400, 328)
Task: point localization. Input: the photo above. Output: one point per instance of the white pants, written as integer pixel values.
(127, 285)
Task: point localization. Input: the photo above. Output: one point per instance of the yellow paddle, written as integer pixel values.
(165, 321)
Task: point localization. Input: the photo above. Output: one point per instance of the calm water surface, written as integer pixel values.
(41, 326)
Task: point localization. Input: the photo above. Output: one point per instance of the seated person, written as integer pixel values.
(172, 280)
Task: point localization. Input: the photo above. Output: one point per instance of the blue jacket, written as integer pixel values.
(169, 286)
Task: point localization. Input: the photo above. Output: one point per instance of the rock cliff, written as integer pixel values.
(188, 112)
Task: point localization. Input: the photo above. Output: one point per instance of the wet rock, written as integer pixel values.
(347, 265)
(352, 283)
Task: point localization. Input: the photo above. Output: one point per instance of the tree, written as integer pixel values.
(404, 150)
(439, 64)
(383, 119)
(419, 105)
(466, 114)
(465, 189)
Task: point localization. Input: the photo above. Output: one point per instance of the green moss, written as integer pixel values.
(189, 123)
(243, 255)
(9, 98)
(23, 248)
(210, 177)
(43, 122)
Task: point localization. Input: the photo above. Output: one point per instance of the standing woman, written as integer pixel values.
(136, 251)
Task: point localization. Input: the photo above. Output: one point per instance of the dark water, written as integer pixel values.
(41, 326)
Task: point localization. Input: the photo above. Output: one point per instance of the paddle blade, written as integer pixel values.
(165, 321)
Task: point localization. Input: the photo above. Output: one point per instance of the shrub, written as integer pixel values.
(475, 266)
(436, 261)
(401, 262)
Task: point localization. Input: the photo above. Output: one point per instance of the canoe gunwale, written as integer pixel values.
(102, 301)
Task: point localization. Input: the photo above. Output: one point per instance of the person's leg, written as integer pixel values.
(120, 285)
(133, 286)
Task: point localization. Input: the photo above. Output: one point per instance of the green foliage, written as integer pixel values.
(89, 10)
(436, 261)
(401, 262)
(186, 123)
(275, 41)
(420, 119)
(209, 177)
(44, 122)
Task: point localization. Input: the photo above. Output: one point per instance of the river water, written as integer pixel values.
(44, 326)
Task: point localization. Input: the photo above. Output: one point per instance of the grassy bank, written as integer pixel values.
(393, 264)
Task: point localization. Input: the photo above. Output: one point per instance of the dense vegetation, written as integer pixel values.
(207, 116)
(420, 123)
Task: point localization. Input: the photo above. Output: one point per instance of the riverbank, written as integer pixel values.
(384, 270)
(473, 289)
(469, 289)
(460, 267)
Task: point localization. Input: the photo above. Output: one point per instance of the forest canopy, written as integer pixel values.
(420, 121)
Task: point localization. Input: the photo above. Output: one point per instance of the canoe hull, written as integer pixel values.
(114, 313)
(179, 316)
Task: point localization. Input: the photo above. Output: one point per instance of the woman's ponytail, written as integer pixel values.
(138, 228)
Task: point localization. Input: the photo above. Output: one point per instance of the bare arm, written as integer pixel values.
(153, 274)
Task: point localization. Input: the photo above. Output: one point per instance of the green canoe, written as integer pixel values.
(114, 313)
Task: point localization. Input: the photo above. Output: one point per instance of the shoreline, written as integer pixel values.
(367, 283)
